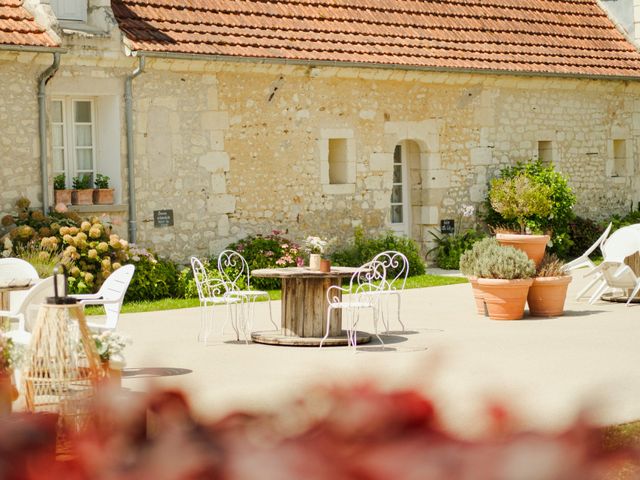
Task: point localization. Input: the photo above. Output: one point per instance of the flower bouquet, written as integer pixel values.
(110, 346)
(315, 246)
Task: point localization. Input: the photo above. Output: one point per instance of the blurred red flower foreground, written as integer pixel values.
(359, 433)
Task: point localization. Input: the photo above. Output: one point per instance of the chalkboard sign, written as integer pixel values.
(447, 226)
(162, 218)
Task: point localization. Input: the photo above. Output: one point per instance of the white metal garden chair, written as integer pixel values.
(111, 295)
(364, 285)
(234, 269)
(584, 261)
(397, 268)
(616, 275)
(25, 310)
(212, 291)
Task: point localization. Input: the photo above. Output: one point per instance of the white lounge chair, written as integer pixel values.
(25, 310)
(16, 268)
(616, 275)
(584, 260)
(111, 295)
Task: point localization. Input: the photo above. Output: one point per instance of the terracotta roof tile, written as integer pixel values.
(18, 27)
(530, 36)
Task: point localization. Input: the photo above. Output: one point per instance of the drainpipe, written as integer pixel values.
(128, 111)
(42, 127)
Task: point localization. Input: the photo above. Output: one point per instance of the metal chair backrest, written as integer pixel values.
(17, 268)
(370, 277)
(200, 276)
(234, 270)
(396, 266)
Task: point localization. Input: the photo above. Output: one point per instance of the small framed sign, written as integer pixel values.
(447, 226)
(162, 218)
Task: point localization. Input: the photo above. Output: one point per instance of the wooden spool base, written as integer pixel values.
(277, 338)
(619, 299)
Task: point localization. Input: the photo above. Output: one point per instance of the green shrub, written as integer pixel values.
(562, 201)
(153, 278)
(469, 259)
(630, 218)
(583, 232)
(364, 249)
(520, 199)
(269, 251)
(449, 248)
(505, 263)
(186, 284)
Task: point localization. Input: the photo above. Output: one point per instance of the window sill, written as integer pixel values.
(339, 189)
(97, 208)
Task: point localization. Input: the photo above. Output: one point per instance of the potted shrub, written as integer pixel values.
(518, 199)
(61, 193)
(504, 277)
(102, 194)
(549, 288)
(469, 267)
(82, 193)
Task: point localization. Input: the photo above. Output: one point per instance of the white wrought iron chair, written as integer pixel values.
(397, 268)
(24, 310)
(363, 286)
(234, 269)
(111, 295)
(212, 292)
(615, 275)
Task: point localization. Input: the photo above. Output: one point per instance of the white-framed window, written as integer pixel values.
(400, 206)
(70, 9)
(73, 137)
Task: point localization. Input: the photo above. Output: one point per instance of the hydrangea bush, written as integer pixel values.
(268, 251)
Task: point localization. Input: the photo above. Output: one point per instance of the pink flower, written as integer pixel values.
(60, 207)
(300, 262)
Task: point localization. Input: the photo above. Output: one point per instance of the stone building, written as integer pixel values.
(242, 116)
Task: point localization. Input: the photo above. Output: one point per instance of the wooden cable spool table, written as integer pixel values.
(304, 308)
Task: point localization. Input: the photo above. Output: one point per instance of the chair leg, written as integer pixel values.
(601, 289)
(397, 294)
(588, 287)
(275, 326)
(328, 324)
(633, 294)
(375, 326)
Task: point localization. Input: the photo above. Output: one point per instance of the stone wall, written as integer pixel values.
(240, 148)
(19, 154)
(237, 149)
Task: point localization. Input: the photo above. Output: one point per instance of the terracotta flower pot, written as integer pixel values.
(547, 295)
(8, 393)
(82, 197)
(505, 299)
(477, 296)
(103, 196)
(62, 196)
(532, 245)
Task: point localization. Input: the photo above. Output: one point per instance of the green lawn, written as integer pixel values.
(420, 281)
